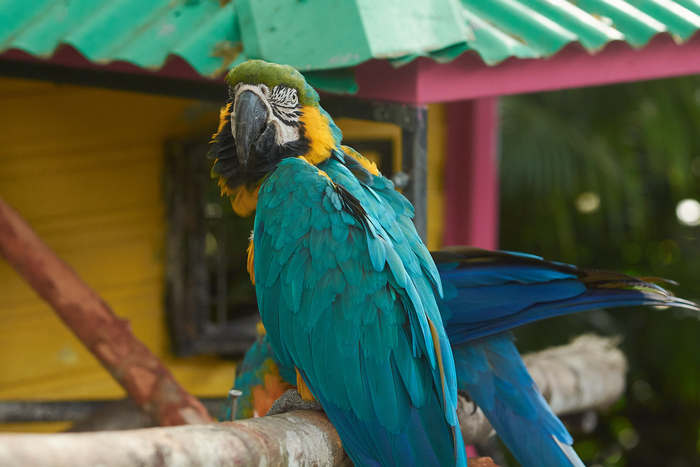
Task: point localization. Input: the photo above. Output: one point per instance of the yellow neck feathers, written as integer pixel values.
(224, 117)
(250, 264)
(243, 199)
(370, 166)
(317, 130)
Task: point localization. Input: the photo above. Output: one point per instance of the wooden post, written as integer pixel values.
(108, 337)
(471, 174)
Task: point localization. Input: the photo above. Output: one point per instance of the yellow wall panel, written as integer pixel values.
(84, 167)
(437, 134)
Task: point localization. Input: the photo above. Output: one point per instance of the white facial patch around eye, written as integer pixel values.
(284, 132)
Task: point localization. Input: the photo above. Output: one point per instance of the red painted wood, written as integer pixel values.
(471, 174)
(468, 77)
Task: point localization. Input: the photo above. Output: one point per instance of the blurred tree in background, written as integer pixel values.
(594, 177)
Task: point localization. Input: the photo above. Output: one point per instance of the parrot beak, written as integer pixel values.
(251, 117)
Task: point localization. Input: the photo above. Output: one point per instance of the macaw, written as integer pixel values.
(260, 378)
(487, 294)
(353, 302)
(345, 287)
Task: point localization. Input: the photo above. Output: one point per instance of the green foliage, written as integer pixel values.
(592, 177)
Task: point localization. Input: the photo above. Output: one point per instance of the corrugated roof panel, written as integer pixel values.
(211, 37)
(47, 28)
(417, 25)
(493, 44)
(160, 33)
(692, 5)
(678, 20)
(142, 32)
(590, 32)
(222, 31)
(14, 16)
(637, 27)
(530, 26)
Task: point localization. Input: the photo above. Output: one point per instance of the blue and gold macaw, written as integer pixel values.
(346, 289)
(352, 300)
(486, 294)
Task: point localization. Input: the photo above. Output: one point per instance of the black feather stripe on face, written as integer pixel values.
(285, 105)
(223, 149)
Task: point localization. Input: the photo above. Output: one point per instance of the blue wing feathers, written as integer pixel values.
(488, 293)
(496, 378)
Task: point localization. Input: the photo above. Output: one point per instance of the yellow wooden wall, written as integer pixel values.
(84, 167)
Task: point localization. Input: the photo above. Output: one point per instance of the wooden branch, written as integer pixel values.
(587, 374)
(296, 438)
(590, 373)
(107, 336)
(307, 437)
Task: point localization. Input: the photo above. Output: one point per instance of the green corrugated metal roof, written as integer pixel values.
(332, 34)
(142, 32)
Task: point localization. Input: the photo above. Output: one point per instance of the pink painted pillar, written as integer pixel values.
(471, 173)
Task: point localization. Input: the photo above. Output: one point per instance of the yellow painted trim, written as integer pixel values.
(303, 389)
(370, 166)
(317, 130)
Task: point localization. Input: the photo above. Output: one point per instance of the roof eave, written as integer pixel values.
(468, 77)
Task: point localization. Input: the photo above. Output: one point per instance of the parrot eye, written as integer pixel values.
(283, 96)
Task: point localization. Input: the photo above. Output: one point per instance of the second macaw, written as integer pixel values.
(351, 299)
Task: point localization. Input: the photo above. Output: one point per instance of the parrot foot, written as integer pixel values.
(291, 400)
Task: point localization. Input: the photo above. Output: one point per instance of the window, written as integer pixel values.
(210, 302)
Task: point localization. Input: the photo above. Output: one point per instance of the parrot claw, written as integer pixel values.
(290, 401)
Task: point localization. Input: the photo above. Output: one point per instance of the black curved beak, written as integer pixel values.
(251, 117)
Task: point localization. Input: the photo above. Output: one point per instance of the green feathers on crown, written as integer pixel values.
(271, 75)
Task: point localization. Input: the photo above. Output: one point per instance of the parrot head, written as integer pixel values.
(272, 113)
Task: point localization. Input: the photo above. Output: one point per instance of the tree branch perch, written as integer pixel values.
(107, 336)
(588, 373)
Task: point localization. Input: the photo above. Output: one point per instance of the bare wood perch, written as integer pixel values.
(107, 336)
(303, 438)
(297, 438)
(589, 373)
(306, 437)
